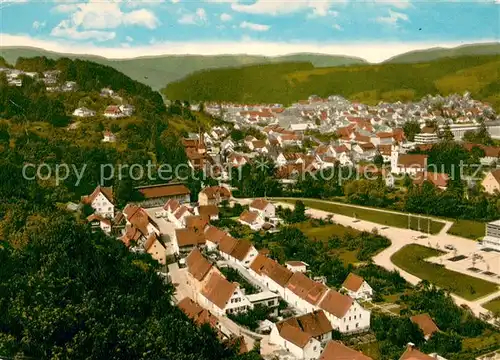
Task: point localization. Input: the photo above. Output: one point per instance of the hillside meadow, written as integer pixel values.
(288, 82)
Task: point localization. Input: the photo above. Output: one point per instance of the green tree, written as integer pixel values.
(411, 128)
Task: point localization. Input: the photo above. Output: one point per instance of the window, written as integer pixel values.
(354, 317)
(314, 348)
(357, 325)
(349, 318)
(360, 316)
(347, 328)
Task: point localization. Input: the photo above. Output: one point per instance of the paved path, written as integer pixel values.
(401, 237)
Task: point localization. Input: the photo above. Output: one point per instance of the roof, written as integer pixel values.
(241, 250)
(214, 234)
(196, 313)
(227, 244)
(249, 217)
(412, 160)
(335, 350)
(336, 304)
(260, 204)
(218, 290)
(95, 217)
(131, 234)
(294, 335)
(496, 175)
(208, 210)
(152, 239)
(212, 191)
(425, 322)
(261, 263)
(296, 263)
(197, 265)
(305, 288)
(181, 211)
(197, 222)
(278, 273)
(353, 282)
(188, 237)
(106, 191)
(163, 190)
(438, 179)
(139, 218)
(315, 323)
(171, 205)
(413, 354)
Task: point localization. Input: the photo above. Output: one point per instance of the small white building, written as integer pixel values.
(108, 136)
(492, 238)
(357, 287)
(101, 200)
(291, 336)
(407, 163)
(99, 222)
(83, 112)
(264, 208)
(251, 219)
(223, 297)
(345, 314)
(266, 298)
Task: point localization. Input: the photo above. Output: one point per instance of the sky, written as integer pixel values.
(372, 29)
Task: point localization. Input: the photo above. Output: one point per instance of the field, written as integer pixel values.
(467, 229)
(366, 83)
(324, 232)
(411, 259)
(493, 305)
(379, 217)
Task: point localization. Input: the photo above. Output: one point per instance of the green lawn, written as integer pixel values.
(467, 229)
(396, 220)
(493, 305)
(411, 258)
(324, 232)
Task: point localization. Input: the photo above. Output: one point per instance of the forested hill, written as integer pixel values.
(156, 71)
(91, 76)
(287, 83)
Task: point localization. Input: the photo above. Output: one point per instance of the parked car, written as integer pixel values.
(158, 214)
(450, 247)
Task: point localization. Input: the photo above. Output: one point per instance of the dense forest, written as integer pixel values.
(287, 83)
(66, 292)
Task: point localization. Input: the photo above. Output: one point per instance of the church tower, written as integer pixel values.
(394, 157)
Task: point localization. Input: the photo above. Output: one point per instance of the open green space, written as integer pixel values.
(411, 258)
(379, 217)
(493, 305)
(467, 229)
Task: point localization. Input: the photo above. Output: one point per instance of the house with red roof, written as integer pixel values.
(357, 287)
(101, 200)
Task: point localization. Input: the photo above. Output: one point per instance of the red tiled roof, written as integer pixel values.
(218, 290)
(437, 179)
(156, 191)
(353, 282)
(336, 304)
(335, 350)
(106, 191)
(425, 322)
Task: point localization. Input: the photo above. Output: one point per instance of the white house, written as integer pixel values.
(84, 112)
(275, 276)
(139, 218)
(296, 266)
(304, 293)
(108, 136)
(107, 92)
(251, 219)
(357, 287)
(209, 211)
(127, 109)
(113, 112)
(99, 222)
(264, 208)
(300, 344)
(178, 218)
(101, 200)
(266, 298)
(223, 297)
(345, 313)
(407, 163)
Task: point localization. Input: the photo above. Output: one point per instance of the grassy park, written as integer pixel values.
(467, 229)
(493, 305)
(411, 258)
(389, 219)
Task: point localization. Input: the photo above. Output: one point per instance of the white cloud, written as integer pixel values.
(338, 27)
(393, 18)
(98, 15)
(372, 51)
(139, 3)
(174, 1)
(275, 7)
(129, 38)
(199, 17)
(65, 8)
(38, 25)
(225, 17)
(400, 4)
(66, 30)
(253, 26)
